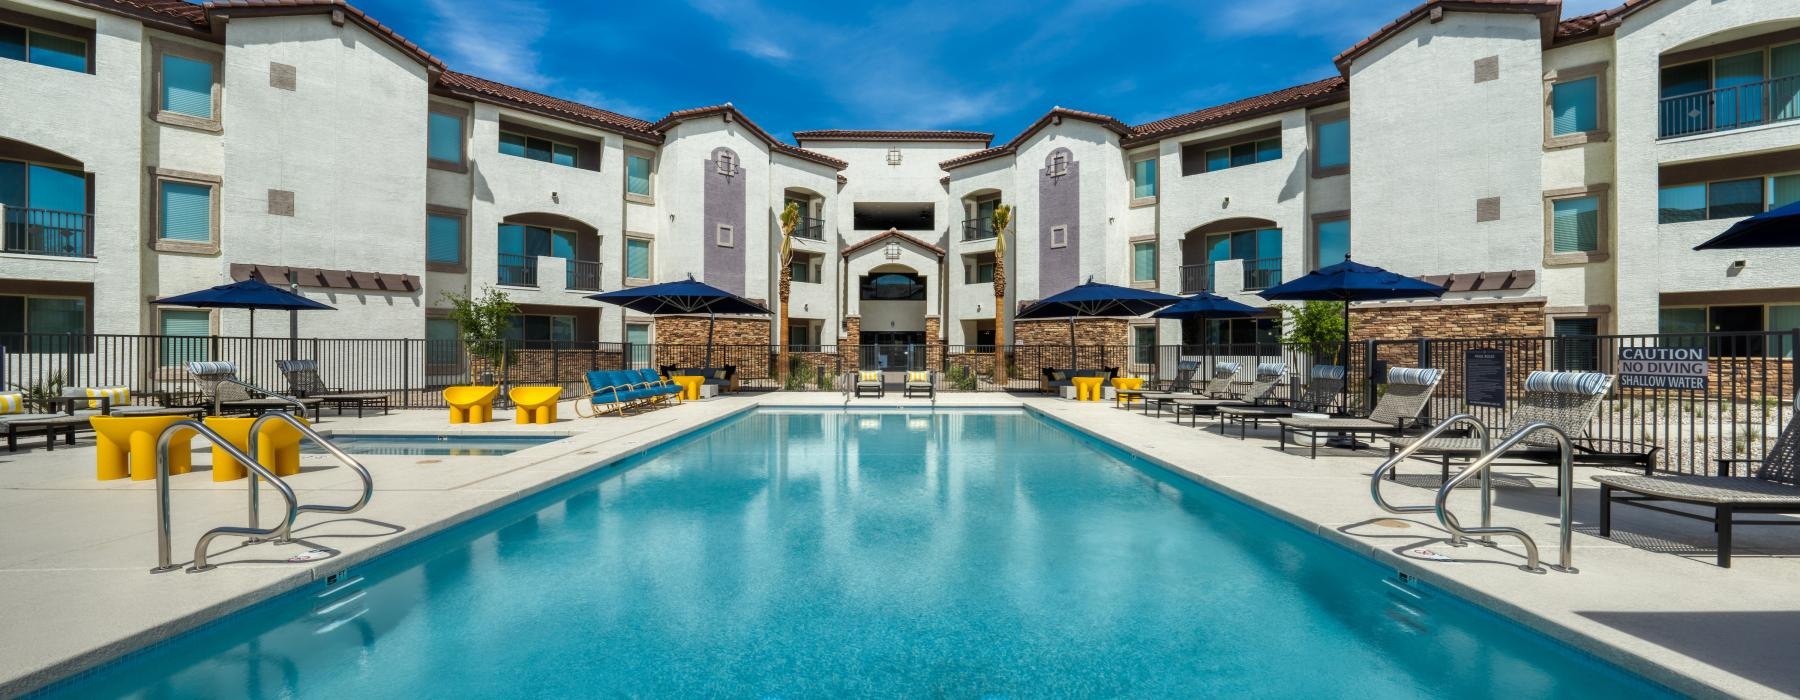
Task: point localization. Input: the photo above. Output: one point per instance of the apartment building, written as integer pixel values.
(1553, 171)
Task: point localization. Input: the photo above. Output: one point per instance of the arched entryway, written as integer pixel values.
(892, 299)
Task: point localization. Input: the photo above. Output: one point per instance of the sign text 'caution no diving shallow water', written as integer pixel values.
(1662, 368)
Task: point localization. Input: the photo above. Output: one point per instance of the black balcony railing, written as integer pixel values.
(1262, 273)
(978, 229)
(1734, 107)
(1193, 279)
(518, 270)
(66, 234)
(583, 275)
(810, 228)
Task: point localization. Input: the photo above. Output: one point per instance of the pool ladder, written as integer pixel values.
(282, 532)
(1482, 468)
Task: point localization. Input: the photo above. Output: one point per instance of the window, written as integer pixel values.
(725, 236)
(1143, 343)
(1582, 352)
(520, 246)
(40, 315)
(1784, 318)
(893, 156)
(1059, 164)
(185, 336)
(978, 269)
(637, 175)
(1575, 106)
(444, 138)
(1260, 250)
(1730, 92)
(1331, 147)
(444, 240)
(43, 48)
(1681, 320)
(1575, 224)
(541, 330)
(184, 212)
(46, 210)
(1725, 199)
(1143, 180)
(443, 346)
(637, 336)
(187, 86)
(1143, 261)
(1743, 326)
(893, 286)
(637, 259)
(1242, 154)
(804, 334)
(539, 149)
(1238, 334)
(727, 164)
(808, 268)
(1059, 236)
(1331, 242)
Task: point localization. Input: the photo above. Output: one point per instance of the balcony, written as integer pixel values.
(583, 275)
(518, 270)
(978, 229)
(1727, 108)
(810, 228)
(64, 234)
(1193, 279)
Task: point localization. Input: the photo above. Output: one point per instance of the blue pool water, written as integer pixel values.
(446, 445)
(801, 555)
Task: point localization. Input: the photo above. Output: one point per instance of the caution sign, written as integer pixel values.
(1662, 368)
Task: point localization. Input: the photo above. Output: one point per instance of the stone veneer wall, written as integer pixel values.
(1088, 331)
(691, 330)
(1407, 322)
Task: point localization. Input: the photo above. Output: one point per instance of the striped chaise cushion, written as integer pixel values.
(1414, 375)
(213, 369)
(1328, 372)
(12, 402)
(117, 395)
(1225, 370)
(1270, 369)
(1586, 383)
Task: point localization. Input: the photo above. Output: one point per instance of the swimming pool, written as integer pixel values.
(807, 554)
(446, 445)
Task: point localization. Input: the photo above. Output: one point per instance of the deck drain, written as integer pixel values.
(428, 461)
(1390, 522)
(585, 452)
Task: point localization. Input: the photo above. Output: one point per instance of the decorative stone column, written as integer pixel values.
(934, 346)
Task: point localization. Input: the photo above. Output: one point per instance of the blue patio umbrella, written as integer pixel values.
(1775, 228)
(687, 296)
(1206, 306)
(1350, 281)
(249, 294)
(1096, 300)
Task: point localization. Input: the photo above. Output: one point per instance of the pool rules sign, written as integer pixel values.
(1662, 368)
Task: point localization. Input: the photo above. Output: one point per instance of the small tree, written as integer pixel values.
(482, 323)
(1002, 218)
(1317, 327)
(790, 219)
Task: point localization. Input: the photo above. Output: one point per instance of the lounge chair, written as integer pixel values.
(869, 381)
(1183, 381)
(921, 383)
(1322, 392)
(234, 398)
(1408, 391)
(15, 412)
(1773, 487)
(1222, 385)
(303, 379)
(1567, 400)
(1268, 376)
(618, 391)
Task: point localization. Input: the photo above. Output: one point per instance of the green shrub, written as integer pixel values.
(961, 378)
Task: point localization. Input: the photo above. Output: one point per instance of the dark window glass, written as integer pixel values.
(1218, 159)
(1734, 198)
(563, 155)
(1747, 320)
(1680, 203)
(1267, 150)
(537, 149)
(1243, 154)
(512, 144)
(893, 286)
(12, 183)
(1580, 350)
(58, 52)
(12, 42)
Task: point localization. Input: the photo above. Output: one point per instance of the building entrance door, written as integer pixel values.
(896, 351)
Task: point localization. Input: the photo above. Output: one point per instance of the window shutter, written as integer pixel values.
(186, 212)
(1784, 190)
(187, 86)
(1575, 225)
(637, 259)
(1574, 106)
(443, 240)
(186, 331)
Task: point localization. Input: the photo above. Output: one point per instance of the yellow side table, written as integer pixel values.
(1087, 388)
(690, 386)
(277, 448)
(127, 447)
(534, 404)
(472, 403)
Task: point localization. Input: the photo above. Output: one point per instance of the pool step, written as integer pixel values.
(339, 604)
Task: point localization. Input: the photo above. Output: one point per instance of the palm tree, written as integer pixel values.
(1002, 217)
(790, 218)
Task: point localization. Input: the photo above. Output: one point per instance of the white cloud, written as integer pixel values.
(761, 48)
(494, 39)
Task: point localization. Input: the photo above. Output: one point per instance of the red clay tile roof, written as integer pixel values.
(1054, 116)
(284, 7)
(1332, 89)
(889, 135)
(1596, 24)
(1547, 10)
(891, 233)
(731, 113)
(476, 88)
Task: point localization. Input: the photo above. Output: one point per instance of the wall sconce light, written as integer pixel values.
(1226, 204)
(554, 197)
(1737, 265)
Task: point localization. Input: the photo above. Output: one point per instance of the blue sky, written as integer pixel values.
(926, 64)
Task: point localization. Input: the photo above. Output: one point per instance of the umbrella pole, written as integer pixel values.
(709, 336)
(1072, 365)
(1344, 402)
(252, 354)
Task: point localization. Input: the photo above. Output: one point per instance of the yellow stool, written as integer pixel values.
(1128, 384)
(533, 404)
(471, 404)
(278, 448)
(127, 447)
(690, 386)
(1087, 388)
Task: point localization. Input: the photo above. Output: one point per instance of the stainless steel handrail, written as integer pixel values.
(1481, 431)
(368, 480)
(163, 555)
(1565, 475)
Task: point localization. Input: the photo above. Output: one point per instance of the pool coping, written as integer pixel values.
(95, 658)
(1577, 639)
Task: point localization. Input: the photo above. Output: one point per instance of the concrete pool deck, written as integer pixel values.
(75, 552)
